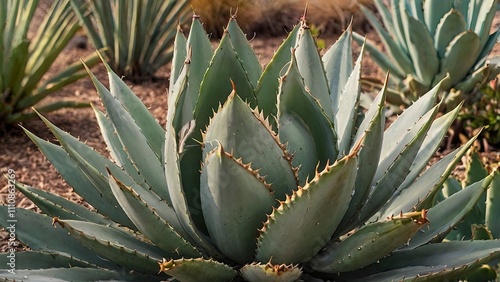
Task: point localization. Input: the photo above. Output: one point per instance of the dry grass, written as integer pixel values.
(274, 17)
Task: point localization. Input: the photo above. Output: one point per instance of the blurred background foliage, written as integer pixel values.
(137, 34)
(26, 77)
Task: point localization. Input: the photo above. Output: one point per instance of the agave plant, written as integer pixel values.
(428, 39)
(24, 62)
(295, 181)
(482, 222)
(138, 34)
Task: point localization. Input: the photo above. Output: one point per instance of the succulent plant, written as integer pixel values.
(428, 39)
(485, 215)
(137, 34)
(24, 62)
(482, 223)
(269, 175)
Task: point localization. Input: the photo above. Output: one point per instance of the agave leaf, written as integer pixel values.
(148, 197)
(52, 37)
(149, 222)
(194, 270)
(484, 73)
(454, 62)
(75, 175)
(47, 108)
(117, 245)
(393, 136)
(187, 135)
(338, 66)
(16, 64)
(42, 259)
(481, 232)
(159, 50)
(420, 48)
(310, 216)
(183, 186)
(115, 147)
(138, 148)
(488, 46)
(493, 206)
(80, 7)
(368, 244)
(248, 136)
(380, 58)
(385, 183)
(57, 206)
(199, 53)
(180, 55)
(345, 119)
(245, 52)
(311, 69)
(434, 14)
(451, 25)
(484, 272)
(225, 68)
(178, 101)
(386, 16)
(69, 75)
(445, 261)
(472, 13)
(475, 172)
(47, 238)
(415, 9)
(448, 213)
(69, 274)
(372, 131)
(462, 6)
(399, 57)
(304, 125)
(430, 145)
(474, 168)
(399, 29)
(139, 114)
(257, 272)
(268, 86)
(232, 222)
(421, 193)
(95, 166)
(485, 16)
(450, 187)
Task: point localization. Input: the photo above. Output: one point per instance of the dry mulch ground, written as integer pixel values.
(17, 151)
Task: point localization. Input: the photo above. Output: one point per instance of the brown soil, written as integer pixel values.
(17, 151)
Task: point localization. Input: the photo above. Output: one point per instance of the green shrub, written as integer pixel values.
(138, 34)
(24, 62)
(428, 40)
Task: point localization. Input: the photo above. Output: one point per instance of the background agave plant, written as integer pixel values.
(137, 33)
(482, 223)
(24, 61)
(296, 180)
(428, 39)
